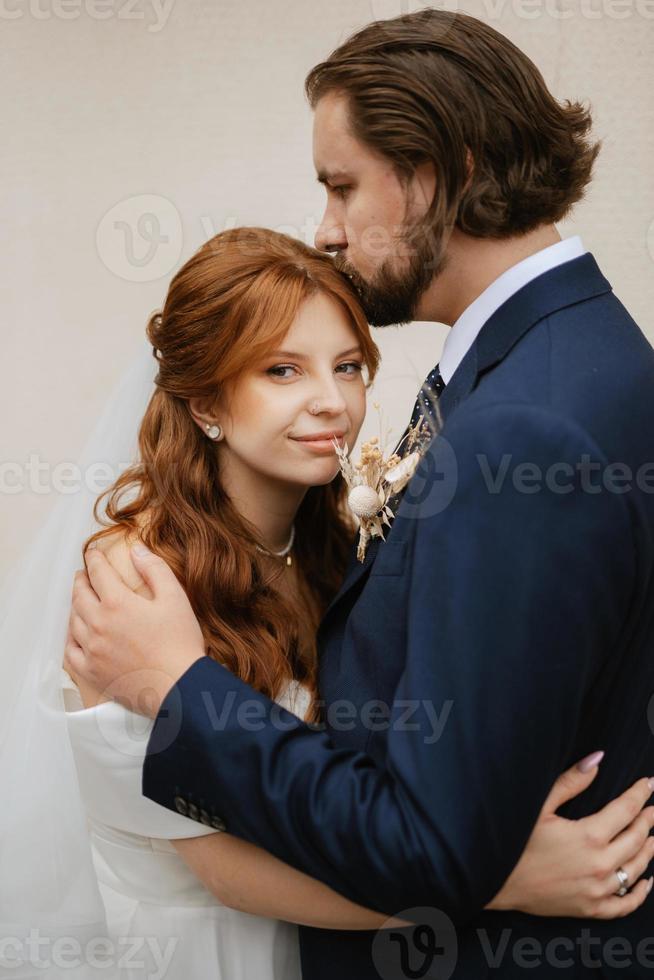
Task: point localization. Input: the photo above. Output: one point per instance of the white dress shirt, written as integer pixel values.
(464, 332)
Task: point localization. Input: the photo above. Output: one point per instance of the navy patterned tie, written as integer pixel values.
(430, 392)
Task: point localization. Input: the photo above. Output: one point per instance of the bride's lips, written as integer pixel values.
(321, 442)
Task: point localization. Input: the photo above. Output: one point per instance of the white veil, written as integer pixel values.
(50, 903)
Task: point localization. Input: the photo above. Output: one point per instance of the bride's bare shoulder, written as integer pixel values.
(116, 548)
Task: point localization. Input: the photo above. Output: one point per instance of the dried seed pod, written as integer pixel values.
(364, 502)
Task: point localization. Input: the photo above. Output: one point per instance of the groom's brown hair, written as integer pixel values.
(446, 88)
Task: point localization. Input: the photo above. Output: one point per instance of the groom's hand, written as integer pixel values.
(130, 648)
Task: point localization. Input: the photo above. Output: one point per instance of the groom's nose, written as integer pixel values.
(330, 237)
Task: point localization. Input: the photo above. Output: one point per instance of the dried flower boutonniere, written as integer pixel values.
(374, 480)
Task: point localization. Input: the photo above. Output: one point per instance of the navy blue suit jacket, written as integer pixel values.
(503, 631)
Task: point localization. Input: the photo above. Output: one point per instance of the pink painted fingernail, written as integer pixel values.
(651, 783)
(649, 885)
(590, 762)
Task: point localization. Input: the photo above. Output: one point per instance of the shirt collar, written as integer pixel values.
(464, 332)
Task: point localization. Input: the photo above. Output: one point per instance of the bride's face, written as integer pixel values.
(280, 417)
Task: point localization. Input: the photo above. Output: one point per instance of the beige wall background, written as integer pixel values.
(193, 112)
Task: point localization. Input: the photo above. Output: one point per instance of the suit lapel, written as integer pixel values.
(355, 571)
(567, 284)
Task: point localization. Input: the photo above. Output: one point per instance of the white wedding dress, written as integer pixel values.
(163, 921)
(90, 886)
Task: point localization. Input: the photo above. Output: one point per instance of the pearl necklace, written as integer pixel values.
(284, 553)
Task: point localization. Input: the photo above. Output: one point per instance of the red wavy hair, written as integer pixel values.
(234, 300)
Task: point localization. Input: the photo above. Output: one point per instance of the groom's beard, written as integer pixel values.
(392, 297)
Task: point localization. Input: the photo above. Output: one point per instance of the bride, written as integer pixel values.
(264, 333)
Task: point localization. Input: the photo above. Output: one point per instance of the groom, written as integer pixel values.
(514, 597)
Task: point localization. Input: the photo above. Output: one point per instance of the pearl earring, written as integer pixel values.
(214, 431)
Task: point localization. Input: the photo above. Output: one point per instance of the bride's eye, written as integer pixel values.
(354, 368)
(276, 371)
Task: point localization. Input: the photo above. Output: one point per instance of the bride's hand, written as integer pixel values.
(569, 866)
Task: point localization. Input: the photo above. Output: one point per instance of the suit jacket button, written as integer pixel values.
(204, 818)
(193, 811)
(180, 805)
(218, 824)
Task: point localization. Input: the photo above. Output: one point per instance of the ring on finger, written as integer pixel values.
(623, 878)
